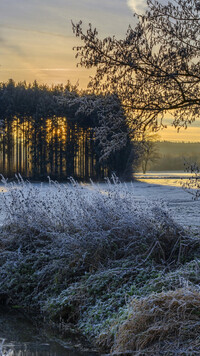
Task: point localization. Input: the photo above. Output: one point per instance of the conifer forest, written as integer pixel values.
(58, 132)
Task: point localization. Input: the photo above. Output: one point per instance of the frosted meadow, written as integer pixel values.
(92, 256)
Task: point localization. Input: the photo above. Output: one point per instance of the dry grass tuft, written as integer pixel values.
(162, 324)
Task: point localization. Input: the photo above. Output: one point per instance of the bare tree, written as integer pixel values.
(155, 69)
(149, 150)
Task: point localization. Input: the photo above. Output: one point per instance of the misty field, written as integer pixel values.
(117, 262)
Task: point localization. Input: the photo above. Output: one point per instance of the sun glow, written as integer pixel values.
(191, 134)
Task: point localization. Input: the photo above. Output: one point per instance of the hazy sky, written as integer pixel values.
(36, 37)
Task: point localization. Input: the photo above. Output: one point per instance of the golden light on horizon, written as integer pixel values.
(191, 134)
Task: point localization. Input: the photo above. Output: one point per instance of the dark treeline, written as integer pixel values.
(59, 132)
(175, 156)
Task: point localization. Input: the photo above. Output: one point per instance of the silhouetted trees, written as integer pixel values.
(59, 132)
(155, 69)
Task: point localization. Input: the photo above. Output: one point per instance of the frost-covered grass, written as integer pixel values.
(87, 227)
(161, 324)
(80, 254)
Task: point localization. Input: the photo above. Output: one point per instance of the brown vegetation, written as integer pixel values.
(164, 323)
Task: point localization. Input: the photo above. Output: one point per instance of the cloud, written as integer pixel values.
(16, 28)
(138, 6)
(42, 69)
(55, 69)
(14, 48)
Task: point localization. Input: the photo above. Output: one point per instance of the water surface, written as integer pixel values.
(21, 338)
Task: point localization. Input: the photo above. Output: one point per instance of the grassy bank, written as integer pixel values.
(119, 271)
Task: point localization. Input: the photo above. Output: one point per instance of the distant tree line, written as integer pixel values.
(174, 156)
(61, 132)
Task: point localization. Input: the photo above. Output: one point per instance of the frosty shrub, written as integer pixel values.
(103, 222)
(192, 184)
